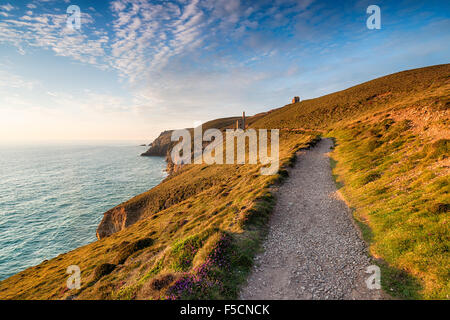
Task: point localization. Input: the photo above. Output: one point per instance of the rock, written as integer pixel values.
(115, 220)
(160, 146)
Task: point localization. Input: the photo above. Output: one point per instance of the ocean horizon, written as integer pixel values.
(53, 194)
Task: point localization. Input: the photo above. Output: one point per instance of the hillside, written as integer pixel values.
(195, 234)
(382, 93)
(162, 145)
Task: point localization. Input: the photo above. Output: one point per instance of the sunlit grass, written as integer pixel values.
(404, 203)
(206, 223)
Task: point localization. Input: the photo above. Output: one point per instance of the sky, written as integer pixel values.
(135, 68)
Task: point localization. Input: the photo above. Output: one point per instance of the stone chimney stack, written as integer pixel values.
(243, 120)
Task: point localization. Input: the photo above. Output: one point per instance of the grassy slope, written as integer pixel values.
(167, 194)
(364, 99)
(226, 213)
(395, 170)
(392, 160)
(212, 218)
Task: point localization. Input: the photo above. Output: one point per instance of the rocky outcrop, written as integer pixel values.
(157, 199)
(115, 220)
(160, 146)
(174, 190)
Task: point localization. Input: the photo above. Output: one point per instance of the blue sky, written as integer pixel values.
(138, 67)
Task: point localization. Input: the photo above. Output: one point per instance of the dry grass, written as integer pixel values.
(394, 168)
(206, 222)
(180, 225)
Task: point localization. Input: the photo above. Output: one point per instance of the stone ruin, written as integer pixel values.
(240, 123)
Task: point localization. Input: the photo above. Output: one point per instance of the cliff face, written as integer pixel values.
(118, 218)
(156, 200)
(115, 220)
(176, 188)
(126, 214)
(161, 146)
(408, 129)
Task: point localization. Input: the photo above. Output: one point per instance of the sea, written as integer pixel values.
(53, 196)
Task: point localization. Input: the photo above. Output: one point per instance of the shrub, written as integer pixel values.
(103, 270)
(438, 208)
(387, 123)
(207, 279)
(184, 251)
(440, 149)
(259, 213)
(370, 178)
(283, 173)
(162, 281)
(129, 248)
(372, 144)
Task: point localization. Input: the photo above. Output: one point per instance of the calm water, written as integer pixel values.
(52, 198)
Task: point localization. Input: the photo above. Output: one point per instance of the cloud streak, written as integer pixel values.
(199, 59)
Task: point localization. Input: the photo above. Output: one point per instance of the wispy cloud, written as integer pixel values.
(216, 57)
(11, 80)
(50, 31)
(6, 7)
(146, 36)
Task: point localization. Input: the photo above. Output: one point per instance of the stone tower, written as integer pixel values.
(240, 123)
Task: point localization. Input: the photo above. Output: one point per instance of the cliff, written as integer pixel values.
(160, 146)
(128, 213)
(392, 153)
(115, 220)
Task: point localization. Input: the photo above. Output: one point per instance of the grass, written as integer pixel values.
(333, 164)
(182, 222)
(195, 235)
(400, 191)
(396, 282)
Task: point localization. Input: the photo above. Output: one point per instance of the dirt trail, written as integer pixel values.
(313, 250)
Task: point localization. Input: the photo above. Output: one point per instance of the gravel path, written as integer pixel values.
(313, 250)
